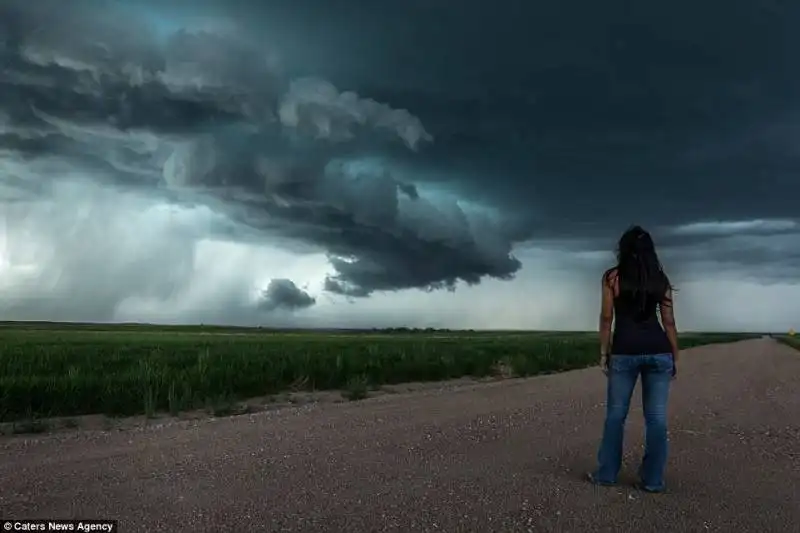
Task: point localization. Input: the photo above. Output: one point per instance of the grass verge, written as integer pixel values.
(794, 342)
(65, 372)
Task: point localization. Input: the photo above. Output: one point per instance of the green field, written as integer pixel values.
(794, 342)
(49, 370)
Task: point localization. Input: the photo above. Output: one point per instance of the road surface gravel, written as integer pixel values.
(505, 456)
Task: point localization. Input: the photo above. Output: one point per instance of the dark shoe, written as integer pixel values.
(594, 481)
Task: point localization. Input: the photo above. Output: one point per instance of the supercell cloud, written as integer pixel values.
(203, 115)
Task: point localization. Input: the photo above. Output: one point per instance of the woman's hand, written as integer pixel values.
(604, 364)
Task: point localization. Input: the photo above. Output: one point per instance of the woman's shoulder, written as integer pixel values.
(610, 274)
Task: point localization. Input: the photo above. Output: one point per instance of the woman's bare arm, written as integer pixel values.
(606, 314)
(667, 309)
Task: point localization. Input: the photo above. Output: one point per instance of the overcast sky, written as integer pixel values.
(373, 163)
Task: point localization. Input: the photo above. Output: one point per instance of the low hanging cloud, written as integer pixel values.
(284, 294)
(207, 116)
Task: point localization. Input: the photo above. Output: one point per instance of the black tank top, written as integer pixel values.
(636, 333)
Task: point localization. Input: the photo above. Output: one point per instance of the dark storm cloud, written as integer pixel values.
(593, 115)
(561, 122)
(110, 90)
(284, 294)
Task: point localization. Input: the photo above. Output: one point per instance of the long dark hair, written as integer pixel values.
(643, 285)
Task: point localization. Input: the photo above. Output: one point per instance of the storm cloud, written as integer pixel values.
(283, 293)
(393, 147)
(206, 112)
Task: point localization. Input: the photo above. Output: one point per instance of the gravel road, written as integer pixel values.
(496, 457)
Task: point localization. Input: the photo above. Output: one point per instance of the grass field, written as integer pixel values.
(49, 370)
(794, 342)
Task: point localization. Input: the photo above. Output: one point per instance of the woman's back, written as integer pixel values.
(637, 330)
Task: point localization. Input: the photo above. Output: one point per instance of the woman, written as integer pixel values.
(634, 292)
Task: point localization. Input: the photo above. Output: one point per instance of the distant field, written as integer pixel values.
(49, 370)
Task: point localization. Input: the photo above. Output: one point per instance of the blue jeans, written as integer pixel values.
(623, 371)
